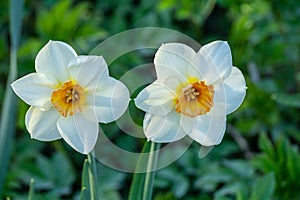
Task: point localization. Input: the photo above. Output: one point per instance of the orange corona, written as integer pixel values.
(68, 99)
(194, 98)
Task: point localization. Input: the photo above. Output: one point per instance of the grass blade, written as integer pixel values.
(8, 113)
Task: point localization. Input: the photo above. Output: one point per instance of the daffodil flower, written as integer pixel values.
(69, 95)
(193, 93)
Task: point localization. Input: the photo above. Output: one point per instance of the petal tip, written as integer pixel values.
(204, 151)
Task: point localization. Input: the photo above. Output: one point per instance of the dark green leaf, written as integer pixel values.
(263, 188)
(292, 100)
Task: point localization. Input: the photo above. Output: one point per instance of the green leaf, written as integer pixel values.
(7, 123)
(292, 100)
(266, 145)
(239, 167)
(175, 179)
(229, 188)
(67, 21)
(263, 188)
(112, 195)
(209, 181)
(110, 181)
(16, 15)
(50, 173)
(293, 164)
(240, 195)
(63, 168)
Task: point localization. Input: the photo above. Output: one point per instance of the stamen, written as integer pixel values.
(190, 93)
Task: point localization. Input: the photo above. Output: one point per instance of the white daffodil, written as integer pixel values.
(193, 93)
(69, 95)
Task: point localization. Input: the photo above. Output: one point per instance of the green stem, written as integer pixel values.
(149, 179)
(92, 177)
(31, 190)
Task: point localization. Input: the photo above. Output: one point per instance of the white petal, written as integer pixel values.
(172, 81)
(235, 89)
(163, 129)
(42, 124)
(214, 61)
(80, 131)
(175, 60)
(53, 59)
(155, 99)
(35, 89)
(208, 129)
(109, 100)
(87, 70)
(220, 93)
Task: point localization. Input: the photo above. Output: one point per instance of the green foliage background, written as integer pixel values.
(259, 156)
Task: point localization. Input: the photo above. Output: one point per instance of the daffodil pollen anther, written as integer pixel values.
(68, 99)
(194, 98)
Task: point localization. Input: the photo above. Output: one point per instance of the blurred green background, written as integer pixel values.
(259, 156)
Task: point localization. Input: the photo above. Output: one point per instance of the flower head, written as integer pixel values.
(193, 93)
(69, 95)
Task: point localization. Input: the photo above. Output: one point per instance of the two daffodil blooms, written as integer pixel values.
(70, 94)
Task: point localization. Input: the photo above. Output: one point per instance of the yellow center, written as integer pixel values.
(68, 99)
(194, 98)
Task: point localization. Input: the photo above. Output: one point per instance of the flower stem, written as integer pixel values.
(31, 190)
(149, 179)
(92, 177)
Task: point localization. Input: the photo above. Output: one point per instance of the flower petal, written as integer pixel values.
(109, 100)
(214, 61)
(42, 124)
(53, 59)
(163, 129)
(35, 89)
(155, 99)
(80, 131)
(231, 92)
(175, 60)
(87, 70)
(235, 89)
(172, 81)
(208, 129)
